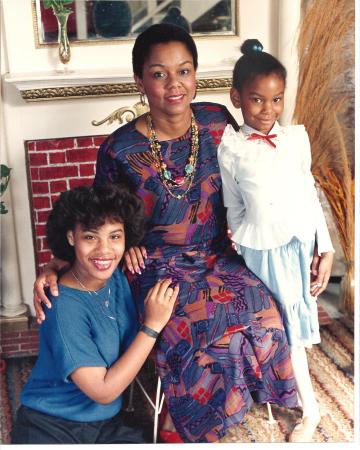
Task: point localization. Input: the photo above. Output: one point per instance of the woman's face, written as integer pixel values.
(168, 79)
(97, 252)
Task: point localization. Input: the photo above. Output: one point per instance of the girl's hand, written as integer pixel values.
(320, 272)
(159, 304)
(134, 259)
(48, 278)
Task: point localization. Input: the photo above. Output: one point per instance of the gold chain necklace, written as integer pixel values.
(164, 173)
(91, 293)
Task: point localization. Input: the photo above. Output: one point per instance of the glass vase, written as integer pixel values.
(63, 40)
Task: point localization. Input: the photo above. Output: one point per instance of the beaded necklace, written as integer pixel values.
(165, 175)
(91, 293)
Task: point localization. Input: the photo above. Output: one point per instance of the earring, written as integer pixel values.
(142, 98)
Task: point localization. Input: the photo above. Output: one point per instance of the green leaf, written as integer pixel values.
(58, 5)
(4, 171)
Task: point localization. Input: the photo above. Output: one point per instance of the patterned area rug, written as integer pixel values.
(331, 367)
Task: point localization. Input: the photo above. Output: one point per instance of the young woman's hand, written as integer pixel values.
(159, 304)
(134, 259)
(105, 384)
(320, 272)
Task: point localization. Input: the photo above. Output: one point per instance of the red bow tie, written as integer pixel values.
(266, 137)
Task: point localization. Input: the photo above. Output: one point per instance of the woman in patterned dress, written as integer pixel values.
(224, 346)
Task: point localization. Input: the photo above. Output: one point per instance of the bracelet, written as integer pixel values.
(150, 332)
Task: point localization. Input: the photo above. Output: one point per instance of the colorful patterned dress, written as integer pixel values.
(224, 346)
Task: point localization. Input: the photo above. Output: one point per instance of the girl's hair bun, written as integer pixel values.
(251, 46)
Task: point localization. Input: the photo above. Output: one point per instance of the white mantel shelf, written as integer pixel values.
(56, 85)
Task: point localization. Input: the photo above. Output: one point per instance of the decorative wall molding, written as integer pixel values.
(72, 92)
(109, 90)
(45, 87)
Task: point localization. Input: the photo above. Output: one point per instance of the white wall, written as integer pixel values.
(53, 119)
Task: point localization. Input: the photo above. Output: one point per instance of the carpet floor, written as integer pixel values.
(331, 368)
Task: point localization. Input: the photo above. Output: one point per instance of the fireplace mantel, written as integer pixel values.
(42, 86)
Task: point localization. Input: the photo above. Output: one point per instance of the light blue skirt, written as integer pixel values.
(285, 271)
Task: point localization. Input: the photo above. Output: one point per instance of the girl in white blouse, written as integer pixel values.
(274, 214)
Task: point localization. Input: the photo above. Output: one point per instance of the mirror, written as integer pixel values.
(99, 20)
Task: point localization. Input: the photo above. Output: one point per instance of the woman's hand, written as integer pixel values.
(320, 272)
(159, 304)
(134, 259)
(48, 278)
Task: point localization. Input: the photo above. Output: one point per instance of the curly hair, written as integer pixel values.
(91, 207)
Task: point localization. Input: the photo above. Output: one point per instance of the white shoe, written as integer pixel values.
(304, 430)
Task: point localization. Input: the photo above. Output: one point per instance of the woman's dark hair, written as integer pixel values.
(255, 62)
(90, 207)
(160, 33)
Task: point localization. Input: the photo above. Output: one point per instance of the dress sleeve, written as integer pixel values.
(232, 196)
(107, 170)
(322, 233)
(226, 164)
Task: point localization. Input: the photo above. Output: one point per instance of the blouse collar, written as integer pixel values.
(246, 129)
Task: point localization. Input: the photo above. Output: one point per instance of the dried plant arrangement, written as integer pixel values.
(323, 102)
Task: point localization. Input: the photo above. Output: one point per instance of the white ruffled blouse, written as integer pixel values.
(270, 192)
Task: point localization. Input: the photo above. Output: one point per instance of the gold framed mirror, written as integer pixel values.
(111, 21)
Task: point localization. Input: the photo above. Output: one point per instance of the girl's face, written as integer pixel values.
(97, 252)
(261, 101)
(168, 79)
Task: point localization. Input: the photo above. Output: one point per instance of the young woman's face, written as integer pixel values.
(261, 101)
(97, 252)
(168, 79)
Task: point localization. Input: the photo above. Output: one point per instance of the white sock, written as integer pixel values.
(305, 389)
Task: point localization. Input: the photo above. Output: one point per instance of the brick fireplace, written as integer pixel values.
(54, 166)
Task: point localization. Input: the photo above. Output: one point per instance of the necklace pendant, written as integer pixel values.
(167, 174)
(180, 180)
(189, 169)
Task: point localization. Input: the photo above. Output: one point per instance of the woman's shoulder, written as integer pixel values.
(208, 106)
(212, 112)
(68, 298)
(66, 309)
(123, 138)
